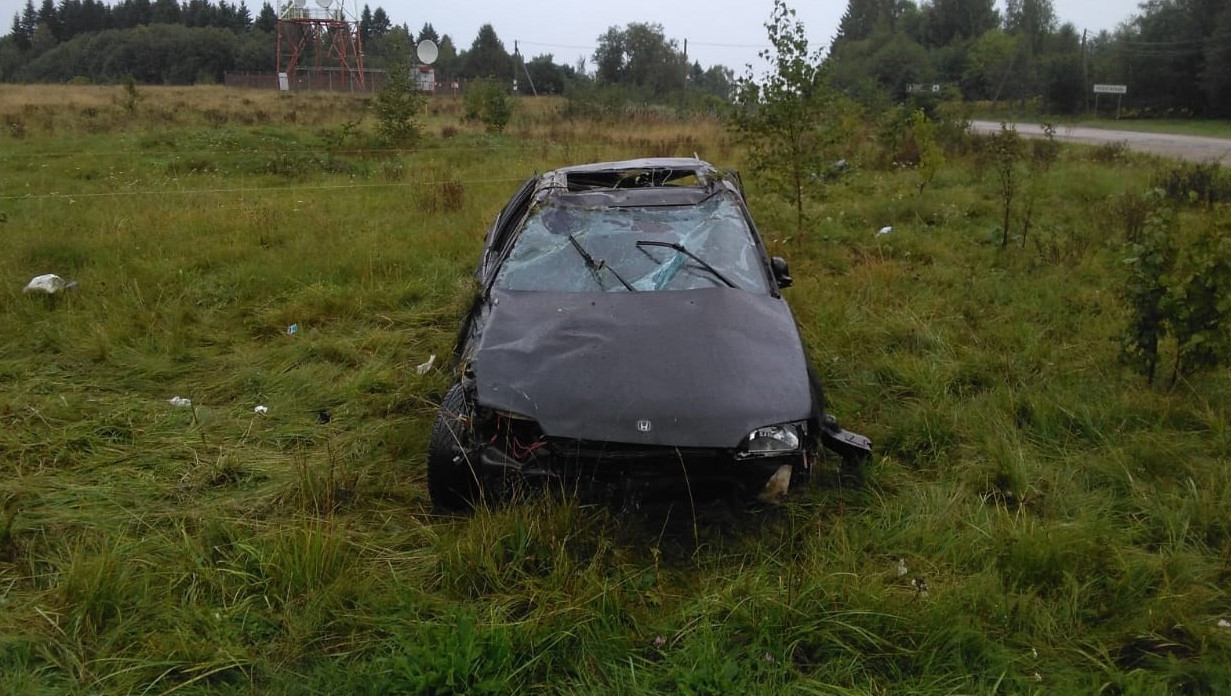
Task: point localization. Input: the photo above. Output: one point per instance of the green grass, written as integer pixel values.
(1068, 521)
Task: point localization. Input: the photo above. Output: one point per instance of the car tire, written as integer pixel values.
(452, 479)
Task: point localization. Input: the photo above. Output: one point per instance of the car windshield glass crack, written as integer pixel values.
(715, 230)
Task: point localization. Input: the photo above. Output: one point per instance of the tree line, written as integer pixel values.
(171, 42)
(1174, 56)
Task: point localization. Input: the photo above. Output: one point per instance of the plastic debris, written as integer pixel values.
(885, 230)
(261, 410)
(179, 402)
(1223, 623)
(49, 284)
(902, 570)
(423, 368)
(292, 329)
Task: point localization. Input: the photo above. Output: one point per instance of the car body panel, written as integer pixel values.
(702, 368)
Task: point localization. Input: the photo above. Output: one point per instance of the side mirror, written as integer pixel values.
(782, 273)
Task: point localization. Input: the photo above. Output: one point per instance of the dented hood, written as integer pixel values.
(689, 368)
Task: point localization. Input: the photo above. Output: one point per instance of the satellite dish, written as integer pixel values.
(428, 53)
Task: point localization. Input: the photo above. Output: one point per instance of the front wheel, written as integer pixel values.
(452, 478)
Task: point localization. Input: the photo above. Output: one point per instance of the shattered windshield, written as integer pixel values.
(545, 258)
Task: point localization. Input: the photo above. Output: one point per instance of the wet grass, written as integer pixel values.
(1037, 520)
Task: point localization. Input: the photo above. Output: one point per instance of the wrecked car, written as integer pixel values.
(629, 340)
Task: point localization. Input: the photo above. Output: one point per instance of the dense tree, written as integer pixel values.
(1216, 74)
(864, 17)
(717, 80)
(609, 56)
(548, 77)
(1033, 20)
(380, 23)
(640, 56)
(1161, 54)
(267, 19)
(165, 12)
(365, 24)
(48, 17)
(166, 54)
(947, 21)
(24, 24)
(428, 33)
(446, 60)
(487, 56)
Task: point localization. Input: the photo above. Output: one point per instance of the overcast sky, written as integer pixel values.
(729, 32)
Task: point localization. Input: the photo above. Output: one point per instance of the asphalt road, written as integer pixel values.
(1187, 147)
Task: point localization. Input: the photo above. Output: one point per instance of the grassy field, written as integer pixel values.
(1038, 519)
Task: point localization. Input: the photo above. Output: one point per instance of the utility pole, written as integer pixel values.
(1085, 70)
(517, 58)
(687, 67)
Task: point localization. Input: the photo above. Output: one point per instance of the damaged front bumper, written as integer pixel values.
(512, 455)
(624, 475)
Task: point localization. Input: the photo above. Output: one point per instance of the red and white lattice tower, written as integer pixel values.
(322, 41)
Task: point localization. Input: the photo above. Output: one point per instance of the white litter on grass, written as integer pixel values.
(292, 329)
(49, 284)
(261, 410)
(885, 230)
(902, 570)
(179, 401)
(1223, 623)
(423, 368)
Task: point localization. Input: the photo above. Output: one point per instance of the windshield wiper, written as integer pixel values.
(683, 250)
(597, 265)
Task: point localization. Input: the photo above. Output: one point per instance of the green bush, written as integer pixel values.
(488, 101)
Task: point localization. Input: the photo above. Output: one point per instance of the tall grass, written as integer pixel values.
(1037, 520)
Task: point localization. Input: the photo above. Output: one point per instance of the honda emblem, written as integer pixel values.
(644, 426)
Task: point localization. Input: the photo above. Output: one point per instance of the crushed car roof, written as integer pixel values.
(647, 181)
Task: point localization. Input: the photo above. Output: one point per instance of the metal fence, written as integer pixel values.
(330, 80)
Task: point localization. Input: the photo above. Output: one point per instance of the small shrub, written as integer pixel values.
(1128, 212)
(1199, 304)
(215, 117)
(488, 101)
(931, 156)
(1194, 183)
(398, 103)
(1152, 257)
(1178, 287)
(335, 139)
(452, 195)
(1110, 153)
(1043, 154)
(1005, 148)
(455, 657)
(131, 97)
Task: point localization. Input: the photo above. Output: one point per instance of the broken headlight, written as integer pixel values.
(773, 439)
